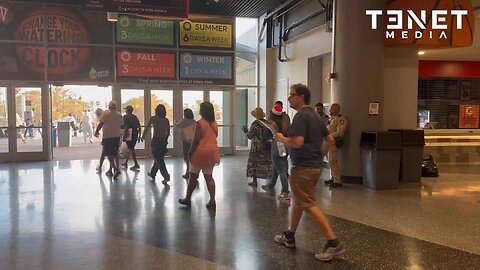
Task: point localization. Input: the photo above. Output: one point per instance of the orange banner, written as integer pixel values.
(468, 117)
(145, 64)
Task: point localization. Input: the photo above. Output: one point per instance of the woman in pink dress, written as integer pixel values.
(204, 154)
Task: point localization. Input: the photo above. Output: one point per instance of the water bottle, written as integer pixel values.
(281, 149)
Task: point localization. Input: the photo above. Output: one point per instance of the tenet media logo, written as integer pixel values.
(408, 24)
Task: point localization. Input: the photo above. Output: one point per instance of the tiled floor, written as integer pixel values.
(62, 215)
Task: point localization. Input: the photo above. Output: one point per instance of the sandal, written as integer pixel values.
(185, 202)
(211, 205)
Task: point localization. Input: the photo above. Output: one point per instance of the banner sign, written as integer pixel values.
(468, 117)
(163, 8)
(200, 34)
(144, 31)
(145, 64)
(212, 68)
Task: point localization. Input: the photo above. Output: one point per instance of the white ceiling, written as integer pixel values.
(460, 54)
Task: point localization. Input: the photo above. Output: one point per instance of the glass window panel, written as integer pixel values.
(221, 105)
(245, 102)
(223, 138)
(75, 99)
(192, 99)
(246, 69)
(28, 119)
(3, 120)
(136, 99)
(246, 34)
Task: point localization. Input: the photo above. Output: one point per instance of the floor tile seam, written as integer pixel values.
(399, 233)
(171, 252)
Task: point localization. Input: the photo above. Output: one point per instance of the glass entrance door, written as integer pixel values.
(24, 124)
(221, 100)
(222, 104)
(136, 99)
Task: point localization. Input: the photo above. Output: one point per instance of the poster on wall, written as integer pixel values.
(54, 41)
(468, 116)
(144, 31)
(145, 66)
(206, 35)
(202, 68)
(465, 90)
(85, 63)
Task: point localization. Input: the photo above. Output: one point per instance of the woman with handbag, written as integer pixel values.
(204, 154)
(186, 127)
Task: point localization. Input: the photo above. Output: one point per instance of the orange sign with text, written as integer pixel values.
(468, 117)
(145, 64)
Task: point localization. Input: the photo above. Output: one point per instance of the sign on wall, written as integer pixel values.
(145, 66)
(145, 31)
(468, 116)
(202, 34)
(198, 68)
(164, 8)
(56, 41)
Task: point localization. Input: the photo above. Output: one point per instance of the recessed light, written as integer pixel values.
(421, 52)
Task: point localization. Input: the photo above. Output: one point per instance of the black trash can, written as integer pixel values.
(381, 152)
(413, 142)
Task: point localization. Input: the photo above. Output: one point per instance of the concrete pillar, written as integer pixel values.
(369, 72)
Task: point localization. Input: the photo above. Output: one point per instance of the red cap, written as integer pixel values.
(277, 110)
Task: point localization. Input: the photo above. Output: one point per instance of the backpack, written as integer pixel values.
(429, 168)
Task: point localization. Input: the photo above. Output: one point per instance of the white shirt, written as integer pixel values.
(70, 119)
(112, 124)
(86, 120)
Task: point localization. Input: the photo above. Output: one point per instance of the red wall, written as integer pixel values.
(448, 69)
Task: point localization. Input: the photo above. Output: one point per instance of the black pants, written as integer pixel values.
(186, 149)
(159, 149)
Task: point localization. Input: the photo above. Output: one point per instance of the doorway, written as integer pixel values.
(76, 110)
(24, 126)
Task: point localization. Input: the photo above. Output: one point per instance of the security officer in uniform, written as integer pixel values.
(336, 128)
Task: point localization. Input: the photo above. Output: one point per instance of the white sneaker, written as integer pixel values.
(329, 253)
(284, 197)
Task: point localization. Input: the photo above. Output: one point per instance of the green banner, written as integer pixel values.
(144, 31)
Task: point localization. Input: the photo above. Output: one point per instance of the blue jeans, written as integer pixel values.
(279, 168)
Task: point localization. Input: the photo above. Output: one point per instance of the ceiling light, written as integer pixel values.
(112, 16)
(421, 52)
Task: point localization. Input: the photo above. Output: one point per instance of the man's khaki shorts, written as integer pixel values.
(302, 184)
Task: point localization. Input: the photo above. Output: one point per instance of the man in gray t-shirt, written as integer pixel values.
(305, 138)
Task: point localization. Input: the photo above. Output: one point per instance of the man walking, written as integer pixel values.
(133, 128)
(336, 128)
(86, 124)
(305, 139)
(112, 123)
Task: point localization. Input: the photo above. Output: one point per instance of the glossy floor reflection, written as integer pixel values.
(62, 215)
